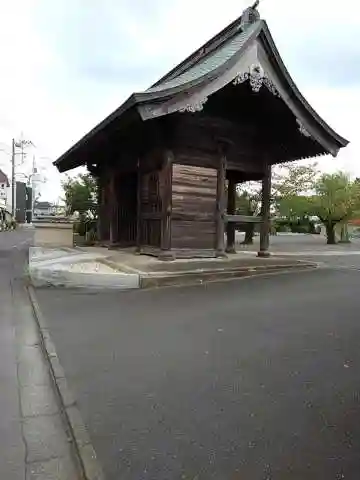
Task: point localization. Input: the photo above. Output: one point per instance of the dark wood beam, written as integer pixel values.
(231, 206)
(265, 213)
(113, 210)
(138, 208)
(166, 207)
(152, 215)
(220, 206)
(193, 216)
(100, 209)
(242, 219)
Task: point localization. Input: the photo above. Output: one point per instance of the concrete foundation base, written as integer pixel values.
(94, 268)
(73, 268)
(53, 232)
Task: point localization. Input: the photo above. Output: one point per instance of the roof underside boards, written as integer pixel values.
(206, 67)
(199, 74)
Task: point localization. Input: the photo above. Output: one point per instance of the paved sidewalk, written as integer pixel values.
(12, 446)
(33, 442)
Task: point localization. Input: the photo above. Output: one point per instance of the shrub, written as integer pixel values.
(80, 228)
(282, 228)
(13, 224)
(298, 228)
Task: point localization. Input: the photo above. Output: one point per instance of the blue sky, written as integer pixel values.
(65, 65)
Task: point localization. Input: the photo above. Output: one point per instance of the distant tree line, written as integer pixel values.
(299, 193)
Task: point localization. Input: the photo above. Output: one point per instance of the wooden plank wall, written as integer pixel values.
(197, 139)
(193, 207)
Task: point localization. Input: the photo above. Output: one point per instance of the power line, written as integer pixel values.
(22, 143)
(13, 184)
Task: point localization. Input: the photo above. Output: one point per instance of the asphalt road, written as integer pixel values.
(250, 379)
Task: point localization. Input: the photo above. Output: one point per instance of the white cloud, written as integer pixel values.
(54, 102)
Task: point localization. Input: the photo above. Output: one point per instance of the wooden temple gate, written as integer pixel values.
(178, 200)
(168, 160)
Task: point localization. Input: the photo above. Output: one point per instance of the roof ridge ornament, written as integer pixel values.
(250, 16)
(257, 78)
(197, 106)
(302, 129)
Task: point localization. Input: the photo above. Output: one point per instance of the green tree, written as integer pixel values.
(290, 184)
(294, 207)
(292, 187)
(248, 203)
(80, 194)
(291, 180)
(336, 200)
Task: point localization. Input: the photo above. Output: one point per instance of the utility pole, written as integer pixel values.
(22, 143)
(33, 173)
(13, 181)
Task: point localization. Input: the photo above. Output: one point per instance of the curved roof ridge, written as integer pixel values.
(209, 62)
(276, 54)
(248, 17)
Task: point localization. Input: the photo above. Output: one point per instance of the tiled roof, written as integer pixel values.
(210, 62)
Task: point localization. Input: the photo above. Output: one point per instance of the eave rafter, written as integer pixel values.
(256, 77)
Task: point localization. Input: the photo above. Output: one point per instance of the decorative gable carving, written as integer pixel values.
(257, 79)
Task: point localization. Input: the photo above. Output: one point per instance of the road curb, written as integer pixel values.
(52, 277)
(200, 276)
(84, 450)
(214, 275)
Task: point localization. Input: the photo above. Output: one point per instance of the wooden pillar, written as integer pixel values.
(138, 207)
(100, 208)
(220, 207)
(231, 207)
(113, 210)
(265, 213)
(105, 222)
(106, 209)
(166, 207)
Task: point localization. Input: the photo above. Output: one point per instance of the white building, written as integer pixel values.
(44, 209)
(5, 191)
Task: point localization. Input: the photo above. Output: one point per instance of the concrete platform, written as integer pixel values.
(74, 268)
(153, 272)
(123, 269)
